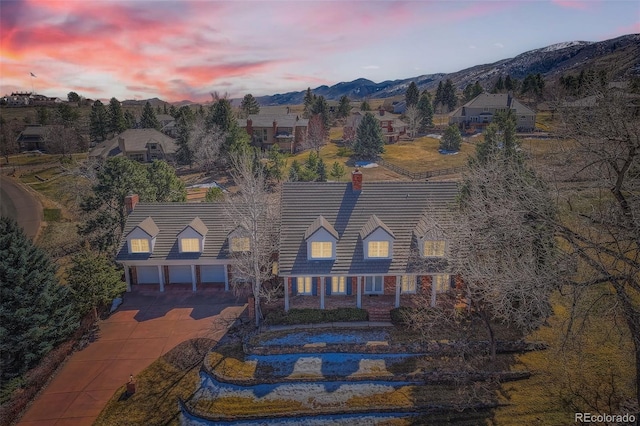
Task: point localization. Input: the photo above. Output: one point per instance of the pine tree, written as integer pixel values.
(344, 107)
(412, 95)
(276, 163)
(322, 171)
(499, 86)
(364, 106)
(98, 121)
(449, 92)
(320, 107)
(295, 171)
(148, 120)
(451, 140)
(308, 101)
(438, 100)
(477, 89)
(36, 313)
(509, 83)
(337, 171)
(166, 185)
(130, 120)
(369, 142)
(117, 122)
(249, 105)
(426, 111)
(184, 153)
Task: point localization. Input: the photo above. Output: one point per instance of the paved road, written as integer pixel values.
(147, 325)
(18, 203)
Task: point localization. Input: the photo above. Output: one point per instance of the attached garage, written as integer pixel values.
(212, 273)
(147, 275)
(180, 274)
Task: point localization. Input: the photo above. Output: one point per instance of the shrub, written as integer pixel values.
(399, 315)
(343, 151)
(315, 316)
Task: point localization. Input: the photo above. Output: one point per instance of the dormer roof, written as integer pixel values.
(198, 225)
(430, 227)
(149, 226)
(372, 224)
(320, 222)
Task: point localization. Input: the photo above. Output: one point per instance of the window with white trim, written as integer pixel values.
(374, 285)
(378, 249)
(321, 250)
(304, 285)
(442, 283)
(189, 245)
(408, 283)
(338, 285)
(140, 245)
(239, 244)
(434, 248)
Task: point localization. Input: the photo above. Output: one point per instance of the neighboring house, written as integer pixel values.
(391, 125)
(369, 245)
(33, 137)
(41, 100)
(479, 112)
(167, 125)
(144, 145)
(168, 244)
(18, 99)
(288, 131)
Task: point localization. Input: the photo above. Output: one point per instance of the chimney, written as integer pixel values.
(130, 202)
(381, 111)
(275, 128)
(288, 110)
(121, 144)
(249, 127)
(356, 180)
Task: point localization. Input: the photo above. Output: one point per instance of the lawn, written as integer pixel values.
(422, 155)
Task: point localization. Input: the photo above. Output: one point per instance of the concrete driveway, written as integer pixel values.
(147, 325)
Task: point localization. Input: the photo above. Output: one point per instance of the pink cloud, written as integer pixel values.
(573, 4)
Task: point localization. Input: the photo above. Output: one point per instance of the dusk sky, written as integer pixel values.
(179, 50)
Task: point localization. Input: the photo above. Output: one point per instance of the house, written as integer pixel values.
(173, 244)
(391, 125)
(288, 131)
(167, 125)
(479, 112)
(33, 137)
(18, 99)
(144, 145)
(371, 245)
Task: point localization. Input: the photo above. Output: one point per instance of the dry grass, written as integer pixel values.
(422, 155)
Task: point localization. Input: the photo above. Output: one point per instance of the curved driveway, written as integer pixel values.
(18, 203)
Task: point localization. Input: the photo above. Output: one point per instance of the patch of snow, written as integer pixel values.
(330, 419)
(445, 152)
(366, 164)
(206, 185)
(304, 337)
(563, 45)
(434, 136)
(116, 302)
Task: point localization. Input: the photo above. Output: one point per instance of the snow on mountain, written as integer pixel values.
(563, 45)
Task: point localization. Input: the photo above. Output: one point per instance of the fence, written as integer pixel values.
(420, 175)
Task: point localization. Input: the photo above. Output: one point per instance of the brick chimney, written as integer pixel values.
(275, 128)
(381, 111)
(356, 180)
(130, 202)
(249, 127)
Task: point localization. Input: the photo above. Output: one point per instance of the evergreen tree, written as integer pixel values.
(214, 194)
(320, 107)
(93, 282)
(477, 89)
(369, 142)
(510, 83)
(344, 107)
(438, 100)
(364, 106)
(221, 116)
(295, 171)
(467, 93)
(337, 171)
(66, 115)
(451, 140)
(249, 105)
(308, 101)
(43, 115)
(499, 86)
(412, 95)
(173, 111)
(35, 311)
(130, 120)
(73, 97)
(276, 163)
(167, 186)
(449, 92)
(148, 120)
(184, 153)
(117, 122)
(426, 111)
(322, 171)
(98, 121)
(500, 136)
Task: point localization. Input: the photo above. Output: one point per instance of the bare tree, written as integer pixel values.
(205, 143)
(603, 230)
(63, 140)
(414, 119)
(317, 133)
(252, 214)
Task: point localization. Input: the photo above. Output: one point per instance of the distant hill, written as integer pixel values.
(619, 57)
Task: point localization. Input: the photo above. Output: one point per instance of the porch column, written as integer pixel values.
(161, 277)
(286, 294)
(127, 277)
(193, 277)
(322, 290)
(433, 292)
(359, 292)
(226, 277)
(398, 287)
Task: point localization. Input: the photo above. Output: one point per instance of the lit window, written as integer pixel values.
(321, 250)
(189, 245)
(441, 283)
(240, 244)
(378, 248)
(140, 245)
(373, 285)
(434, 248)
(304, 285)
(408, 283)
(338, 285)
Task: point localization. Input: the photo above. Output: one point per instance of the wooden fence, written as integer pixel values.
(420, 175)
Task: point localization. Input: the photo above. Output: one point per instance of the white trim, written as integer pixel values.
(322, 291)
(127, 277)
(286, 293)
(359, 297)
(398, 291)
(226, 277)
(193, 277)
(373, 285)
(161, 277)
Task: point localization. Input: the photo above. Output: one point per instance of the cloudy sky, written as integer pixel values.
(186, 49)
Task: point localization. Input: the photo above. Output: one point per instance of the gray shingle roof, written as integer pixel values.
(171, 219)
(282, 120)
(494, 100)
(149, 226)
(399, 205)
(372, 224)
(320, 222)
(197, 225)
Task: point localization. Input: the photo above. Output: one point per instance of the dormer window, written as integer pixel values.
(140, 245)
(434, 248)
(321, 239)
(141, 238)
(191, 238)
(239, 244)
(377, 239)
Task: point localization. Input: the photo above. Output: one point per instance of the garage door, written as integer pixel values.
(212, 273)
(180, 274)
(147, 274)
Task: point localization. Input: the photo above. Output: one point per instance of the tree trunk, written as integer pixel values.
(492, 337)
